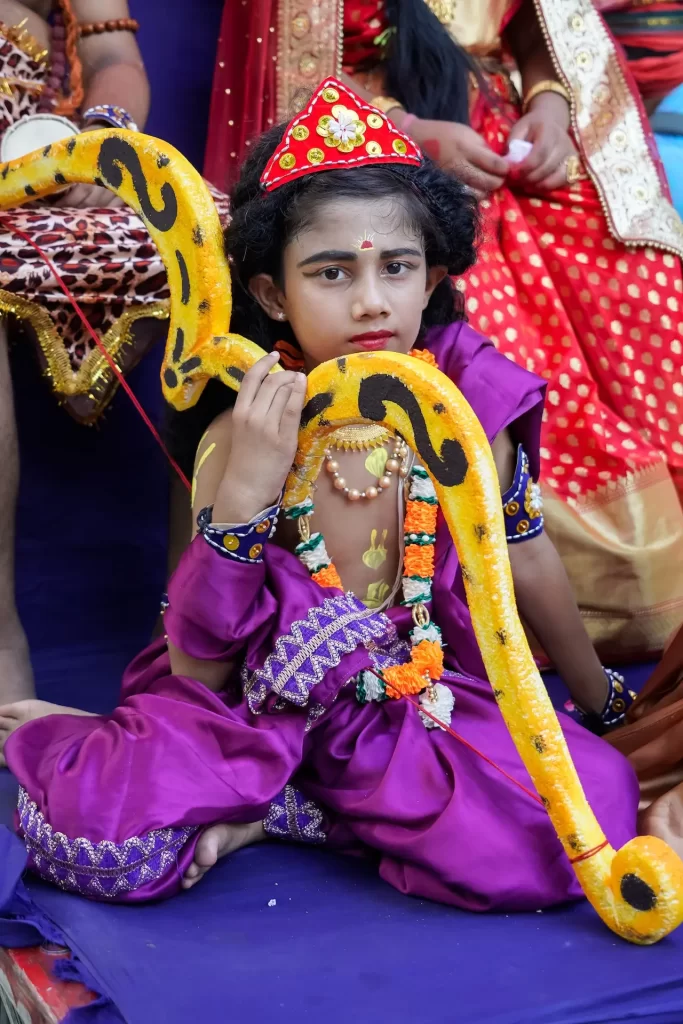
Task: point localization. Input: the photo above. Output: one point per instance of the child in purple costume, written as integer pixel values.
(246, 720)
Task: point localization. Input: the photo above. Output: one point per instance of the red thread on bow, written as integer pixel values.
(589, 853)
(466, 743)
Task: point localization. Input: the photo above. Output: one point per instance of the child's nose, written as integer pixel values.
(369, 301)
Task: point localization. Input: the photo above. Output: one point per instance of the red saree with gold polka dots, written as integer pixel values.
(583, 287)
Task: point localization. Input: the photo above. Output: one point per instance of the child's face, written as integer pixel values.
(356, 280)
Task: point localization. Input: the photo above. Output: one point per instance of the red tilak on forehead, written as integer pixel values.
(337, 130)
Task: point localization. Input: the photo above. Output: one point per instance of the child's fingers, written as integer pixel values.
(291, 414)
(279, 404)
(262, 406)
(253, 379)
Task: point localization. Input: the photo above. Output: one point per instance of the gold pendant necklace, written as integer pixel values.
(359, 437)
(444, 10)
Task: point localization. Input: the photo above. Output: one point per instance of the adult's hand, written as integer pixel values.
(545, 168)
(459, 149)
(82, 197)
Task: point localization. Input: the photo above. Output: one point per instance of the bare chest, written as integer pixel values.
(363, 536)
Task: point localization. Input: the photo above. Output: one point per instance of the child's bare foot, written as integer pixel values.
(664, 819)
(218, 841)
(12, 716)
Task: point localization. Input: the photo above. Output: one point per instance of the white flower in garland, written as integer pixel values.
(441, 707)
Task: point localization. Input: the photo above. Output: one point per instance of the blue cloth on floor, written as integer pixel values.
(337, 945)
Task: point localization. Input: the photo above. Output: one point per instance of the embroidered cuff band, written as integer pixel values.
(522, 503)
(242, 543)
(117, 117)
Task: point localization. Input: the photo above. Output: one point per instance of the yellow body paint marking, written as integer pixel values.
(201, 462)
(376, 554)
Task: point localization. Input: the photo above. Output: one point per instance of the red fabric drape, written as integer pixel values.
(243, 101)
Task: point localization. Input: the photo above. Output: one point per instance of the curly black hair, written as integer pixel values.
(441, 210)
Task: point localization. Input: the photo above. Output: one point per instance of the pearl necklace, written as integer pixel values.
(396, 463)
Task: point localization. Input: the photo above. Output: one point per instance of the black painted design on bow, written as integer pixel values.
(60, 179)
(170, 378)
(204, 306)
(637, 893)
(163, 161)
(235, 373)
(316, 407)
(502, 637)
(575, 843)
(545, 802)
(341, 365)
(498, 694)
(480, 531)
(29, 190)
(466, 574)
(70, 146)
(184, 278)
(439, 407)
(179, 344)
(191, 364)
(538, 744)
(47, 150)
(450, 467)
(116, 153)
(198, 236)
(98, 181)
(5, 171)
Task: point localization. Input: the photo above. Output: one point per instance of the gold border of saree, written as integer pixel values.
(310, 46)
(608, 125)
(634, 533)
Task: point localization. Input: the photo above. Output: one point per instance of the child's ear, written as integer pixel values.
(435, 276)
(269, 297)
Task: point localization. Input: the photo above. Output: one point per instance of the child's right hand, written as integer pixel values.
(265, 431)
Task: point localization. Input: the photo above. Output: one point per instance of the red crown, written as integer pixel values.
(337, 129)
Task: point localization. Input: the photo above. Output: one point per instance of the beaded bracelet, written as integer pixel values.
(96, 28)
(242, 543)
(117, 117)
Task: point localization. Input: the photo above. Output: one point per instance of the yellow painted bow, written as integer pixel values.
(638, 890)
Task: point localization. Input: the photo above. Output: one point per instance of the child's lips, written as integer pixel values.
(372, 341)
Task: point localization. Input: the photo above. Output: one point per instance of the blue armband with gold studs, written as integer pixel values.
(522, 503)
(243, 543)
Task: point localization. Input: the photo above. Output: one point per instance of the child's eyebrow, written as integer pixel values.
(330, 255)
(392, 254)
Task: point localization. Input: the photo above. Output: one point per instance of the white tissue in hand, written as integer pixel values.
(518, 150)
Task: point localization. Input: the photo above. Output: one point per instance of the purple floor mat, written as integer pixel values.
(340, 945)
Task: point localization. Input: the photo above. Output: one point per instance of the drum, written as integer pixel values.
(34, 132)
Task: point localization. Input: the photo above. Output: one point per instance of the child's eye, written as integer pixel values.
(332, 273)
(394, 269)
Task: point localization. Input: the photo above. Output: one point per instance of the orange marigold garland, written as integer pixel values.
(426, 665)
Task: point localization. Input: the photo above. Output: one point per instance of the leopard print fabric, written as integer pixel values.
(105, 257)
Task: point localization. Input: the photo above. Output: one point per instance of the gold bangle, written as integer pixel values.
(386, 103)
(547, 85)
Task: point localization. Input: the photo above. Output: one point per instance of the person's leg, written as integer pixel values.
(16, 675)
